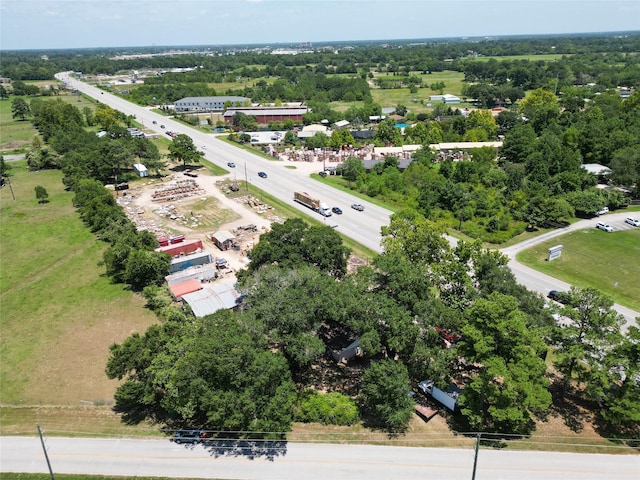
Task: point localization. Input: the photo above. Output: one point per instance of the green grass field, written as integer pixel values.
(15, 136)
(592, 258)
(417, 102)
(60, 312)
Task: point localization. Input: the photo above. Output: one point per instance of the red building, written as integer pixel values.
(268, 114)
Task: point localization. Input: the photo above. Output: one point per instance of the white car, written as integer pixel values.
(603, 211)
(632, 221)
(604, 226)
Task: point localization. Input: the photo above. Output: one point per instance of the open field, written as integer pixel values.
(418, 102)
(14, 135)
(592, 258)
(60, 312)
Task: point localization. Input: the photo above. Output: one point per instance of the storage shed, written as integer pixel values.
(141, 170)
(223, 239)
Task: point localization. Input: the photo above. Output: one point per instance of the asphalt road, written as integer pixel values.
(363, 227)
(293, 461)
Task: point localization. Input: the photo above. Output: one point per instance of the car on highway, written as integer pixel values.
(231, 165)
(161, 126)
(262, 174)
(632, 221)
(188, 436)
(154, 122)
(357, 206)
(604, 227)
(337, 210)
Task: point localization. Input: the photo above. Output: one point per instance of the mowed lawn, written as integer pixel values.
(59, 312)
(609, 262)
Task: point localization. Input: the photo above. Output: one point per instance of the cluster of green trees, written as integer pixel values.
(249, 370)
(130, 257)
(535, 179)
(88, 162)
(79, 152)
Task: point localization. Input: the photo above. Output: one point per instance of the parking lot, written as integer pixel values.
(618, 224)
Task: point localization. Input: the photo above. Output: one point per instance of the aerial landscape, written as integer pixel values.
(274, 239)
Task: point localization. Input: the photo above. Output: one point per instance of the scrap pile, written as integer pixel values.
(255, 203)
(177, 190)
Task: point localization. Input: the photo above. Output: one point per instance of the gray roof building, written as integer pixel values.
(206, 104)
(214, 297)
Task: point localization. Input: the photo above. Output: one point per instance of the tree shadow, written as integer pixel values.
(249, 448)
(568, 405)
(624, 434)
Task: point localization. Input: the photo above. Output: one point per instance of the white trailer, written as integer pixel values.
(447, 399)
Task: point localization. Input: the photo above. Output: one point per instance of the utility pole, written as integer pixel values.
(10, 187)
(246, 180)
(46, 456)
(475, 457)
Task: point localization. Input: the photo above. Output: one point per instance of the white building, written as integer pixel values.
(141, 170)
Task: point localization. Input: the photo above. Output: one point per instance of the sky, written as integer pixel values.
(59, 24)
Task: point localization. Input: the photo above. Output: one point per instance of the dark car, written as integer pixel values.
(262, 174)
(188, 436)
(155, 123)
(161, 126)
(231, 165)
(560, 297)
(358, 207)
(337, 210)
(322, 174)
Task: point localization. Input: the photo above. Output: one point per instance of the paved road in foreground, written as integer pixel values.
(293, 461)
(363, 227)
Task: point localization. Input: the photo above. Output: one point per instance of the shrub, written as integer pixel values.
(326, 408)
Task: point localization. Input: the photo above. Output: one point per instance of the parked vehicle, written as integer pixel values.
(560, 297)
(357, 206)
(603, 211)
(189, 173)
(604, 226)
(262, 174)
(632, 221)
(313, 203)
(188, 436)
(322, 174)
(337, 210)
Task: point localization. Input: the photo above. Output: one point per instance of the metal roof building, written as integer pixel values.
(206, 104)
(218, 296)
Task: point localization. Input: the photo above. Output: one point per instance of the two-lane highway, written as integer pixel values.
(299, 461)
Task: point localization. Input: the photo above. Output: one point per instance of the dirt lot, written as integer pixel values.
(199, 206)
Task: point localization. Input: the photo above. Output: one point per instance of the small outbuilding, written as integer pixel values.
(140, 170)
(223, 239)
